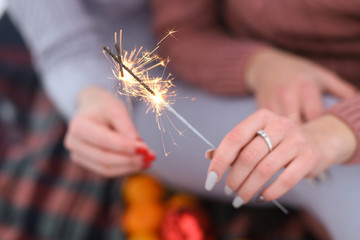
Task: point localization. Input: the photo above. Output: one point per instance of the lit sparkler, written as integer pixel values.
(136, 82)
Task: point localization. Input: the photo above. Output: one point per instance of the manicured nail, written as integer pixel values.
(211, 180)
(260, 199)
(209, 154)
(149, 158)
(141, 150)
(237, 202)
(228, 191)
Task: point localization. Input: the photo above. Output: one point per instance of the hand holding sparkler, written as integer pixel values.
(102, 137)
(135, 82)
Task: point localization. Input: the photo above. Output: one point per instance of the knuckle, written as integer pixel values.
(298, 140)
(233, 136)
(248, 156)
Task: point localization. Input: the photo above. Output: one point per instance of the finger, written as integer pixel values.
(105, 158)
(290, 105)
(101, 170)
(292, 175)
(101, 136)
(120, 119)
(209, 154)
(233, 142)
(252, 154)
(271, 105)
(265, 170)
(337, 86)
(312, 105)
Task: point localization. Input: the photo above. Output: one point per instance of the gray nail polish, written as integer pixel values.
(260, 199)
(211, 180)
(210, 153)
(228, 191)
(237, 202)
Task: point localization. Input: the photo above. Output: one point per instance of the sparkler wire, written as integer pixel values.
(183, 120)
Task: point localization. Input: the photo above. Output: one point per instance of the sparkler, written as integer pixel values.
(138, 83)
(154, 91)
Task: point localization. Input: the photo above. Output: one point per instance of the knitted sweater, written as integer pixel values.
(215, 41)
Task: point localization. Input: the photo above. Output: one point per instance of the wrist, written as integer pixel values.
(255, 64)
(335, 140)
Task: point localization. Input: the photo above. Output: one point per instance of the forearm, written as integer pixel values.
(65, 47)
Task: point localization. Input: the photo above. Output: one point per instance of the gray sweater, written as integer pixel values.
(66, 38)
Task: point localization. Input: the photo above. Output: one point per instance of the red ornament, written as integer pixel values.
(186, 224)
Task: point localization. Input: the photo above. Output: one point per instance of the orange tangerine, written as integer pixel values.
(141, 189)
(143, 218)
(182, 200)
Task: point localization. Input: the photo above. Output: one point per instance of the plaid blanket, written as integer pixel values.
(43, 195)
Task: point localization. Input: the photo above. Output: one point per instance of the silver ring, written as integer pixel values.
(266, 138)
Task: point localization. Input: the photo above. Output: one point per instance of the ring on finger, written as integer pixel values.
(263, 134)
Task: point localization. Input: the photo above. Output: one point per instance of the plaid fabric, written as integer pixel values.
(43, 195)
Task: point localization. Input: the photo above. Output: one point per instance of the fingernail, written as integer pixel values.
(149, 158)
(237, 202)
(211, 180)
(209, 154)
(260, 199)
(141, 150)
(228, 191)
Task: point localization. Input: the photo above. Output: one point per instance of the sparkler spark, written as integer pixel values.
(135, 81)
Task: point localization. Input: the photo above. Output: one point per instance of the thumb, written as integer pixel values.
(337, 86)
